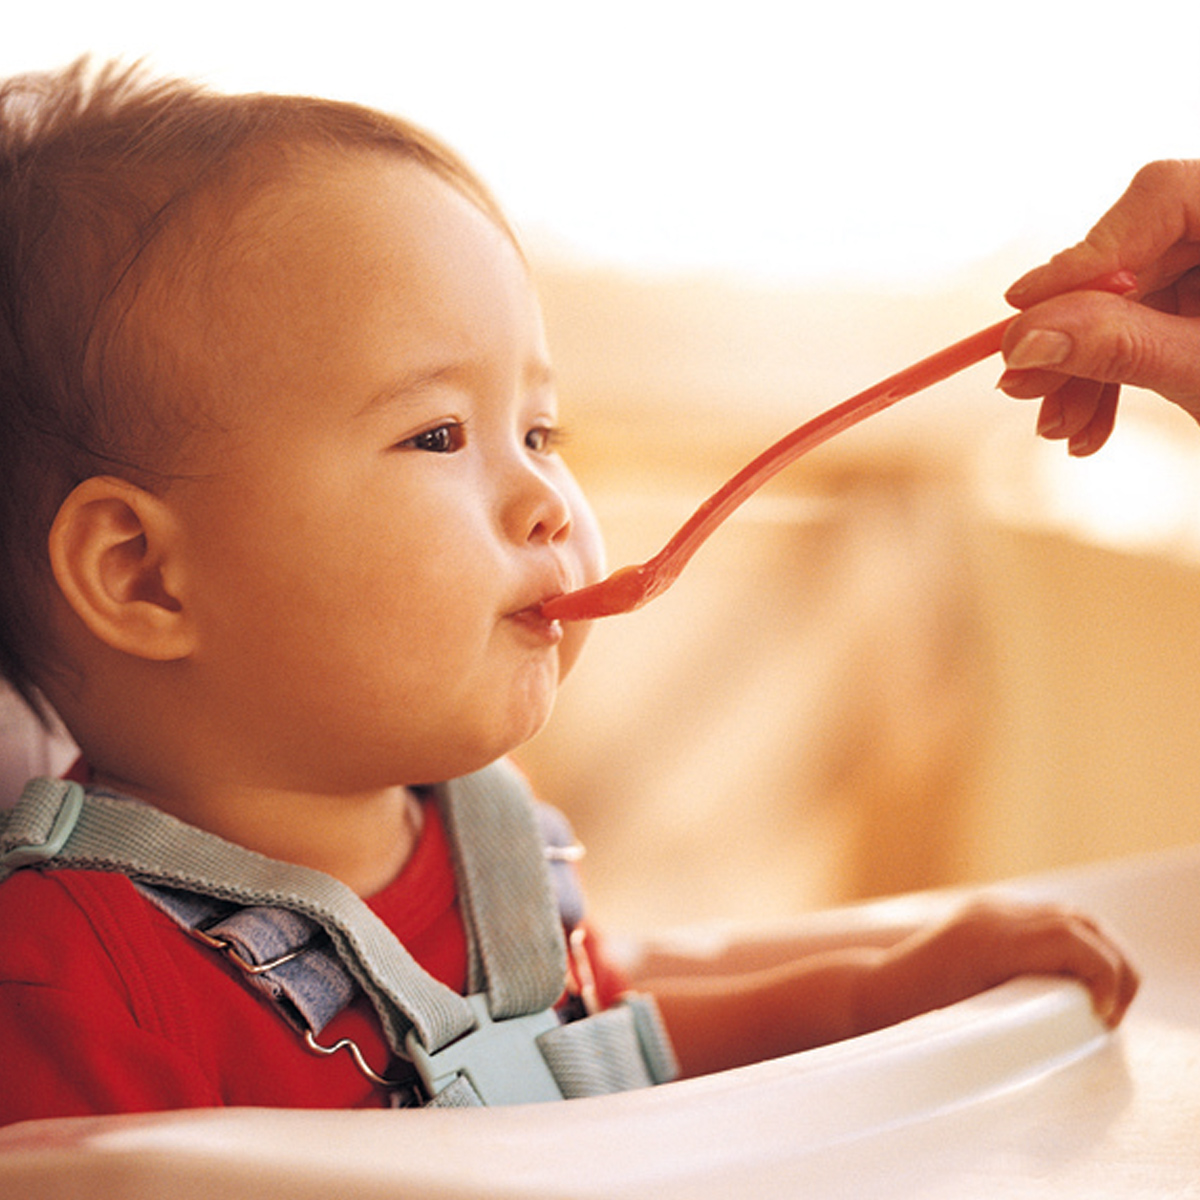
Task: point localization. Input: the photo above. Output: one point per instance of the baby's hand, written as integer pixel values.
(990, 942)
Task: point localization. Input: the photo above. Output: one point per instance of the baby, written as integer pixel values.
(281, 498)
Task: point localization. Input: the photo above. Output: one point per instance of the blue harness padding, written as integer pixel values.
(310, 942)
(281, 952)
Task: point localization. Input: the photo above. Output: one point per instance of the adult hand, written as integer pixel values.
(1076, 348)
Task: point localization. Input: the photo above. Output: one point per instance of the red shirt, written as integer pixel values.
(106, 1006)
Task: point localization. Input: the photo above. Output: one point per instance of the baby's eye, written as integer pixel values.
(442, 439)
(542, 439)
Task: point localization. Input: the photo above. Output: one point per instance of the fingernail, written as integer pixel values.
(1040, 348)
(1050, 419)
(1017, 290)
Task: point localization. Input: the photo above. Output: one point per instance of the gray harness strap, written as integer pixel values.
(514, 930)
(134, 839)
(507, 1048)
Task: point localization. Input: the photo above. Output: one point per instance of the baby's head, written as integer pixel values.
(277, 427)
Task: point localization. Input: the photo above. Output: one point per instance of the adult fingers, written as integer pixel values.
(1081, 411)
(1150, 231)
(1108, 339)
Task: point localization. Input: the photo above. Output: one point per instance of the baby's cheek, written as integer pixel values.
(585, 554)
(586, 544)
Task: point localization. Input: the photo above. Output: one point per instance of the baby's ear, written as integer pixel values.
(115, 553)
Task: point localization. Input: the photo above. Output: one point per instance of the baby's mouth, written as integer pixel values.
(536, 622)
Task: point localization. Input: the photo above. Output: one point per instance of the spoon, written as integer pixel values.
(631, 587)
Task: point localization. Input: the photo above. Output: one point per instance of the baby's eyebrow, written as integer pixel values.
(405, 387)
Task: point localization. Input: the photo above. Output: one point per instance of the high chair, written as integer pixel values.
(1018, 1092)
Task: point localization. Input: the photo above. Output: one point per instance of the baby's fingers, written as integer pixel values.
(1070, 944)
(1011, 939)
(1108, 974)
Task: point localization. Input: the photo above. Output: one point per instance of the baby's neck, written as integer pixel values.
(362, 840)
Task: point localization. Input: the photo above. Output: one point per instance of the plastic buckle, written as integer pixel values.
(65, 820)
(500, 1059)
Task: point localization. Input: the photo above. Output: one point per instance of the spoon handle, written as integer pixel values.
(934, 369)
(937, 367)
(631, 587)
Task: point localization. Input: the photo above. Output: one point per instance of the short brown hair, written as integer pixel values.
(95, 165)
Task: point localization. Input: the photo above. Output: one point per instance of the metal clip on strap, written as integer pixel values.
(500, 1059)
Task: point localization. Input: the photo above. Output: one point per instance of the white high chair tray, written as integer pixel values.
(1015, 1093)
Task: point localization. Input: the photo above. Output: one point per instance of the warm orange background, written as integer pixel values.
(929, 654)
